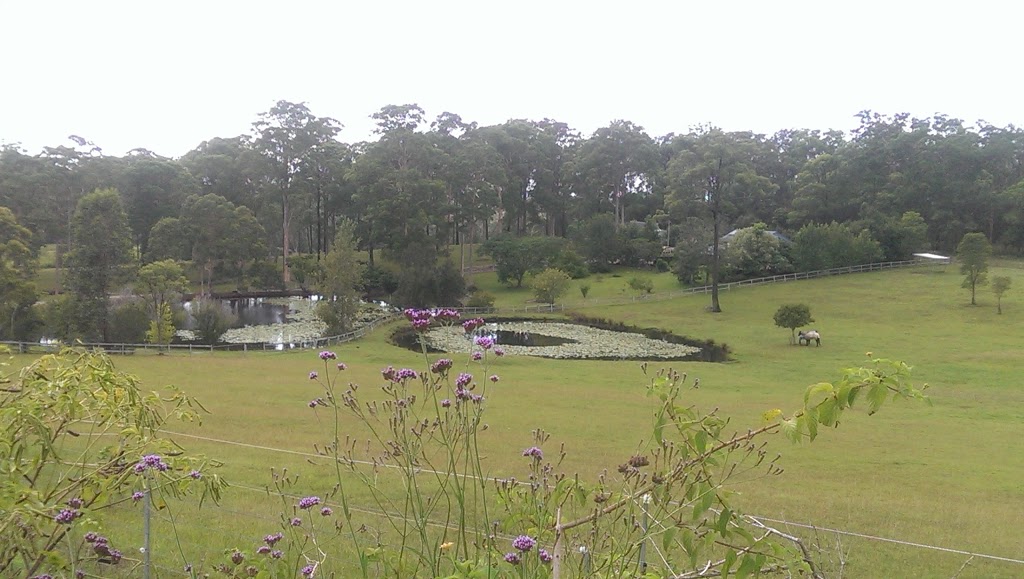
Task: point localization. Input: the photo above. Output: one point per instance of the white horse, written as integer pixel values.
(805, 337)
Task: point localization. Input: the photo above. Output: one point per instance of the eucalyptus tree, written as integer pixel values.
(152, 188)
(530, 160)
(616, 163)
(17, 270)
(216, 232)
(287, 135)
(399, 196)
(102, 257)
(713, 175)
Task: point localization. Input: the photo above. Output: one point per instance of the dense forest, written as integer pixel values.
(237, 207)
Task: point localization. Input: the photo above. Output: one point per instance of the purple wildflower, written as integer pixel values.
(195, 475)
(463, 380)
(446, 403)
(237, 557)
(277, 553)
(308, 570)
(91, 537)
(523, 543)
(313, 375)
(512, 558)
(273, 539)
(251, 571)
(535, 452)
(308, 502)
(79, 574)
(477, 356)
(65, 516)
(325, 355)
(494, 378)
(462, 394)
(499, 351)
(263, 550)
(545, 557)
(421, 325)
(115, 556)
(150, 461)
(138, 496)
(312, 404)
(388, 374)
(406, 374)
(441, 366)
(447, 315)
(342, 366)
(470, 325)
(484, 342)
(75, 503)
(477, 398)
(42, 576)
(326, 511)
(296, 522)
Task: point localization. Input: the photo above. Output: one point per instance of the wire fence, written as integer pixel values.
(121, 349)
(257, 513)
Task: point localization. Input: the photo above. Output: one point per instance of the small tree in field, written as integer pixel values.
(161, 330)
(973, 253)
(549, 285)
(1000, 284)
(793, 316)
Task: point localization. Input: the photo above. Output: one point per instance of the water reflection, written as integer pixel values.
(242, 312)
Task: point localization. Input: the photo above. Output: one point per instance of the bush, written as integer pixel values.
(480, 300)
(549, 285)
(641, 284)
(128, 323)
(210, 321)
(661, 265)
(378, 281)
(571, 263)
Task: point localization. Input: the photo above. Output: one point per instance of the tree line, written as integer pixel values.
(425, 186)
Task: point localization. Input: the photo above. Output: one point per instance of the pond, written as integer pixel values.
(565, 339)
(248, 311)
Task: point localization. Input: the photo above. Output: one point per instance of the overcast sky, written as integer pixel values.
(168, 75)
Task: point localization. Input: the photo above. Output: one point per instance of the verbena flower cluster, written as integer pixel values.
(535, 452)
(308, 502)
(101, 546)
(150, 462)
(421, 319)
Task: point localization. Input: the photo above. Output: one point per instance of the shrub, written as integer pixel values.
(641, 284)
(584, 290)
(210, 321)
(128, 323)
(480, 300)
(661, 265)
(549, 285)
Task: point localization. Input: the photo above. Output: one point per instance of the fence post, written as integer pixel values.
(145, 535)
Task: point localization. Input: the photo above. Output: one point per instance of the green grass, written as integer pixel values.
(950, 474)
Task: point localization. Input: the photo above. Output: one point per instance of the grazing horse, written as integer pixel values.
(805, 337)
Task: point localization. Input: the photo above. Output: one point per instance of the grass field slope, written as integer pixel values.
(949, 474)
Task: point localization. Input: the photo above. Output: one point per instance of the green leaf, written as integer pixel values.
(666, 539)
(722, 526)
(748, 567)
(730, 560)
(819, 388)
(791, 430)
(659, 426)
(701, 441)
(876, 397)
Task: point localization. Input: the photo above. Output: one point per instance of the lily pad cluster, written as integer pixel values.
(588, 343)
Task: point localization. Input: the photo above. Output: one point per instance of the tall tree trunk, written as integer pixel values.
(284, 228)
(715, 306)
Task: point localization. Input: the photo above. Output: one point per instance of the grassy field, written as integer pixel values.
(950, 474)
